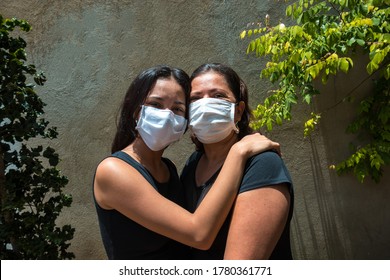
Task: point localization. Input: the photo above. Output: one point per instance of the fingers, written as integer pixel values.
(276, 148)
(257, 142)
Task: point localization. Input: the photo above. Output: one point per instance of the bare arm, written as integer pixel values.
(119, 186)
(259, 217)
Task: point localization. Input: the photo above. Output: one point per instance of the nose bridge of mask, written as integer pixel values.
(159, 128)
(212, 119)
(164, 117)
(162, 112)
(211, 112)
(158, 116)
(207, 106)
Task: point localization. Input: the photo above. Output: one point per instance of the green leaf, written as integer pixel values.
(378, 58)
(251, 47)
(278, 120)
(344, 65)
(351, 41)
(386, 73)
(360, 42)
(289, 11)
(313, 70)
(269, 124)
(371, 67)
(307, 98)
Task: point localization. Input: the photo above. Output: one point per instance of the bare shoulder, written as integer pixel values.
(116, 180)
(110, 164)
(112, 172)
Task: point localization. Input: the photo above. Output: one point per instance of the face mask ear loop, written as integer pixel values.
(236, 128)
(136, 120)
(139, 113)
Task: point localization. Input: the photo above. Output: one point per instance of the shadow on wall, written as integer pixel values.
(318, 230)
(354, 217)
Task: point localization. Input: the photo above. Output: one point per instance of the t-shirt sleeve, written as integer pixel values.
(263, 170)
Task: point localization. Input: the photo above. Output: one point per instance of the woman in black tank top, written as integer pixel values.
(137, 192)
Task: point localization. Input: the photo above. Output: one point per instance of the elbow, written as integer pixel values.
(203, 241)
(202, 234)
(202, 244)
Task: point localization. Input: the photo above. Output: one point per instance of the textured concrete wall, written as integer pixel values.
(90, 51)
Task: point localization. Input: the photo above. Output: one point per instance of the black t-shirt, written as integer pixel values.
(261, 170)
(125, 239)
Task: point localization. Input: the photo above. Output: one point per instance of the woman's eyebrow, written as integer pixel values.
(156, 97)
(219, 90)
(162, 99)
(195, 93)
(212, 90)
(179, 102)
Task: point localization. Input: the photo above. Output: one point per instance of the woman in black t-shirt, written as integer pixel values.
(258, 227)
(137, 192)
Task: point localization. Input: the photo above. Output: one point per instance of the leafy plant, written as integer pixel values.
(320, 44)
(31, 186)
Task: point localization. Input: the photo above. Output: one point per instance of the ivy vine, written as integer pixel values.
(317, 46)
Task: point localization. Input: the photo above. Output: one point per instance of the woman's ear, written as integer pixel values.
(137, 113)
(239, 111)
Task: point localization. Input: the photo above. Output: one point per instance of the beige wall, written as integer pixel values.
(90, 51)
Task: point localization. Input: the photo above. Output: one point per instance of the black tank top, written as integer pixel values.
(125, 239)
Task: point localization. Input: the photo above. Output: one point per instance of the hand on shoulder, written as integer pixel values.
(256, 143)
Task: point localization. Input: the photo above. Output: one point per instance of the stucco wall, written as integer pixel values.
(90, 51)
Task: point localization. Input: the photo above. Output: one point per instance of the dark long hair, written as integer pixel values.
(136, 96)
(239, 89)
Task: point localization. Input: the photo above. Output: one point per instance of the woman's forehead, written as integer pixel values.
(166, 87)
(210, 82)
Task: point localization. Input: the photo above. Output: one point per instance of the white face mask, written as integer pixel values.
(159, 128)
(212, 119)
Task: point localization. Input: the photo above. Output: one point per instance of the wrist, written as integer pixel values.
(240, 151)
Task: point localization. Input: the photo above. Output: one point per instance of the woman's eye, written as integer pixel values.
(178, 111)
(153, 104)
(220, 95)
(194, 98)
